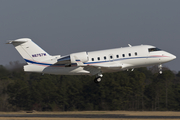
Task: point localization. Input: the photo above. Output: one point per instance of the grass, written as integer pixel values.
(134, 113)
(77, 119)
(127, 113)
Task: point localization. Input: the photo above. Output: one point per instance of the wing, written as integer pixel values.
(92, 68)
(103, 67)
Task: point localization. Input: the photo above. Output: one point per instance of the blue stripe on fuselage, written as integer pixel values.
(33, 62)
(47, 64)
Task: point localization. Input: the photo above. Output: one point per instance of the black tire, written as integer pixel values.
(97, 80)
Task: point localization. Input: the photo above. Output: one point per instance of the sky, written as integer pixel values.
(62, 27)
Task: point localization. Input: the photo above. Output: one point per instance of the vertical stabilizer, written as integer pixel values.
(29, 50)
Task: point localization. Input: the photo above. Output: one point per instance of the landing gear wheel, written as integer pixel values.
(160, 68)
(97, 80)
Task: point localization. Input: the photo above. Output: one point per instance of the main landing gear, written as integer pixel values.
(98, 78)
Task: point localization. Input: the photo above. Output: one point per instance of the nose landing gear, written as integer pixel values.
(160, 68)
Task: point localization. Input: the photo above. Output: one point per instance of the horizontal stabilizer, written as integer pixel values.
(23, 40)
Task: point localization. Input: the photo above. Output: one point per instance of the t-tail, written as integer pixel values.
(29, 50)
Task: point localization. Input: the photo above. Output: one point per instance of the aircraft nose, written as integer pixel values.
(173, 57)
(169, 57)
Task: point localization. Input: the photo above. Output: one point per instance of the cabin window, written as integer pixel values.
(104, 57)
(98, 58)
(111, 57)
(135, 53)
(129, 54)
(92, 59)
(123, 55)
(117, 56)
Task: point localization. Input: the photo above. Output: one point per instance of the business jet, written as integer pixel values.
(90, 63)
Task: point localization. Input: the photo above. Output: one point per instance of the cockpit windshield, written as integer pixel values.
(154, 49)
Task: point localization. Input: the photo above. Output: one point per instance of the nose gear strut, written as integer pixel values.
(160, 68)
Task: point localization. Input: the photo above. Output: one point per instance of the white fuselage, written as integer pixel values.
(104, 61)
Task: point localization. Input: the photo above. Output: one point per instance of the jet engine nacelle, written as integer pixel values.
(80, 57)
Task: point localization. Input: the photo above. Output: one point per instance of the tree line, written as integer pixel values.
(142, 89)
